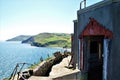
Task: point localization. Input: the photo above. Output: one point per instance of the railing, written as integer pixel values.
(18, 70)
(81, 4)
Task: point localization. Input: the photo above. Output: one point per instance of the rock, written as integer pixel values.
(45, 68)
(26, 74)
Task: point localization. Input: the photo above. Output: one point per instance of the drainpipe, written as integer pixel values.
(84, 3)
(81, 4)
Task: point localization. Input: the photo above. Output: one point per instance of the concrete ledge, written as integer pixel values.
(75, 75)
(39, 78)
(60, 72)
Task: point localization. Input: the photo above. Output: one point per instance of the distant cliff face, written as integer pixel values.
(29, 40)
(49, 40)
(19, 38)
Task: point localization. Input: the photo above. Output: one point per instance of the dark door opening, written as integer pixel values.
(95, 59)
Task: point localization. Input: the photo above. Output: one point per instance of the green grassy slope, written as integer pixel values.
(53, 39)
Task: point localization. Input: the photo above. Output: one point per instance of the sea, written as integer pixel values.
(13, 52)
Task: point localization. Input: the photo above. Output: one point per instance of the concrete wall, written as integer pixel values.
(99, 12)
(73, 76)
(76, 46)
(70, 76)
(114, 67)
(106, 13)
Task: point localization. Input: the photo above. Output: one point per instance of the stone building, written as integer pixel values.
(96, 41)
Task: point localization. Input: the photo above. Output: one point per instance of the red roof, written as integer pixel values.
(94, 28)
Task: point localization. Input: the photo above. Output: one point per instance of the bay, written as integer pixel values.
(12, 53)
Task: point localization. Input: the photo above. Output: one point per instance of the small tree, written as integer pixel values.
(41, 59)
(65, 48)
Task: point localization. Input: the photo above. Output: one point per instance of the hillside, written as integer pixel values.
(50, 40)
(19, 38)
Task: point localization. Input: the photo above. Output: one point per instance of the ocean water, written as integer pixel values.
(12, 53)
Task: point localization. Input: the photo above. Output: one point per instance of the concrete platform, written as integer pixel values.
(60, 72)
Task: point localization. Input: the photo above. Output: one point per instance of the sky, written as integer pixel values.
(31, 17)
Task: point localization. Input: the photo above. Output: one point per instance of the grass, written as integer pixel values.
(6, 79)
(47, 38)
(48, 58)
(33, 66)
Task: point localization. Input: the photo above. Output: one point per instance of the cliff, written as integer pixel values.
(50, 40)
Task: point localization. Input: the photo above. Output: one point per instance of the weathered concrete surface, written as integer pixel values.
(59, 72)
(72, 76)
(115, 49)
(107, 13)
(39, 78)
(75, 45)
(59, 69)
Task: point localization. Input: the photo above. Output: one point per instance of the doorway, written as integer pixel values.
(92, 43)
(95, 59)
